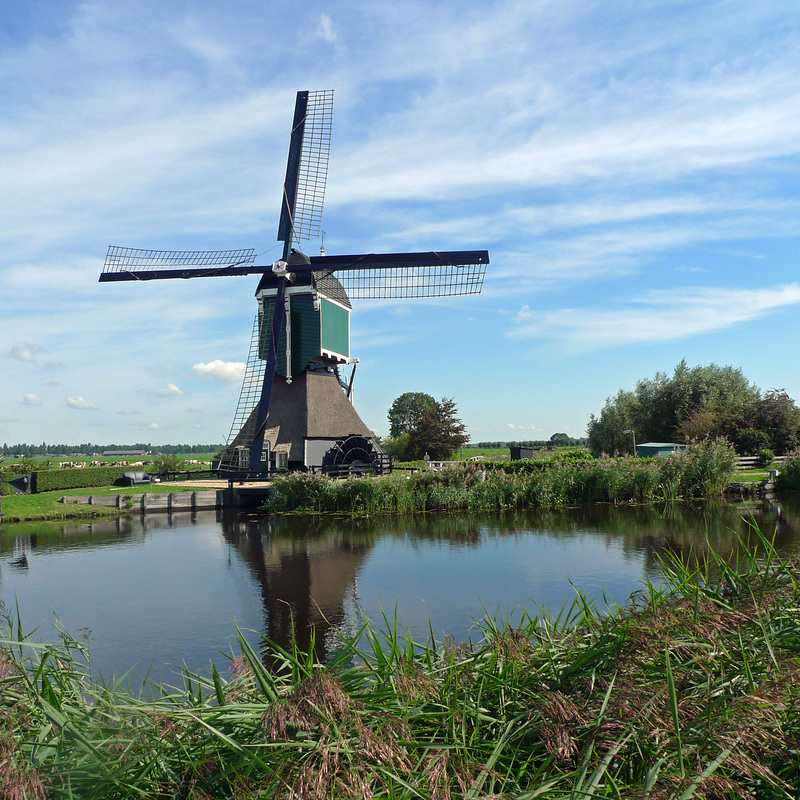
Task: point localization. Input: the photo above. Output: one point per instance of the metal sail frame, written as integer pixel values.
(362, 276)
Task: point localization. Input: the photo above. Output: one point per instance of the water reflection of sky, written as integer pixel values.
(451, 587)
(159, 591)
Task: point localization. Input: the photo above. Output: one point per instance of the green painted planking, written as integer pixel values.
(312, 331)
(335, 328)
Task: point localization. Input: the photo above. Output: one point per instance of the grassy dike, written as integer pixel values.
(691, 691)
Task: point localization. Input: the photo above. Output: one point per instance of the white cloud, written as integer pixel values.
(25, 351)
(329, 32)
(169, 390)
(32, 400)
(659, 316)
(522, 427)
(224, 371)
(80, 403)
(153, 426)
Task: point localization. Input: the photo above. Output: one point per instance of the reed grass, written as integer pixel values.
(702, 471)
(789, 472)
(693, 690)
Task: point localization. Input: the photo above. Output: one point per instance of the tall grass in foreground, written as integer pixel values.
(702, 471)
(693, 691)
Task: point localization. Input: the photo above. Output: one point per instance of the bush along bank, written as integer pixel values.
(789, 473)
(694, 691)
(703, 470)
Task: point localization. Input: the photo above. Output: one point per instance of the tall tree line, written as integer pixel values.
(696, 403)
(88, 448)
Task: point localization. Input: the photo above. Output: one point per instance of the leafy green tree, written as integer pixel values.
(779, 418)
(560, 440)
(606, 434)
(703, 402)
(168, 462)
(397, 447)
(406, 410)
(438, 432)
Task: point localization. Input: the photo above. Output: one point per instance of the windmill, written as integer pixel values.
(295, 406)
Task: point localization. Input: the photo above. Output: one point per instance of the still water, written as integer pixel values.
(155, 592)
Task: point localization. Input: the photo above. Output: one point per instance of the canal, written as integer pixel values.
(153, 593)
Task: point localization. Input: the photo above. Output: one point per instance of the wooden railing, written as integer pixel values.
(438, 466)
(751, 462)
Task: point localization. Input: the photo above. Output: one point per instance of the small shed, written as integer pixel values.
(658, 449)
(518, 453)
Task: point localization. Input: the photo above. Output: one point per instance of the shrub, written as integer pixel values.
(6, 489)
(789, 475)
(765, 457)
(58, 479)
(168, 462)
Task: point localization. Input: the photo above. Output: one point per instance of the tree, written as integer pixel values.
(406, 410)
(438, 432)
(168, 462)
(779, 418)
(697, 403)
(606, 434)
(397, 447)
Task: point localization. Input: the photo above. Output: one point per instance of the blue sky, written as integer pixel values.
(632, 169)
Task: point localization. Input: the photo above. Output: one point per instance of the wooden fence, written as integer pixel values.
(751, 462)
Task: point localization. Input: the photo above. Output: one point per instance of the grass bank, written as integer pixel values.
(46, 506)
(702, 471)
(694, 691)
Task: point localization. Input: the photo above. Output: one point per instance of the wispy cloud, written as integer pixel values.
(32, 400)
(328, 31)
(659, 316)
(25, 351)
(169, 390)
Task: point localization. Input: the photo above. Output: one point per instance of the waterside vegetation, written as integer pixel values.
(693, 690)
(703, 470)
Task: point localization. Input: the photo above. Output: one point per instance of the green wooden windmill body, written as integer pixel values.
(316, 329)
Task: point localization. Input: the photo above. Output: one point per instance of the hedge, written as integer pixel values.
(51, 480)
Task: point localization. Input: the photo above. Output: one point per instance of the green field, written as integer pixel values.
(45, 505)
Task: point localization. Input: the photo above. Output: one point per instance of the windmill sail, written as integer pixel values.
(243, 428)
(406, 275)
(306, 168)
(130, 264)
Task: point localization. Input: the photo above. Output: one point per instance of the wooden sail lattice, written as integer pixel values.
(313, 170)
(392, 283)
(242, 430)
(130, 263)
